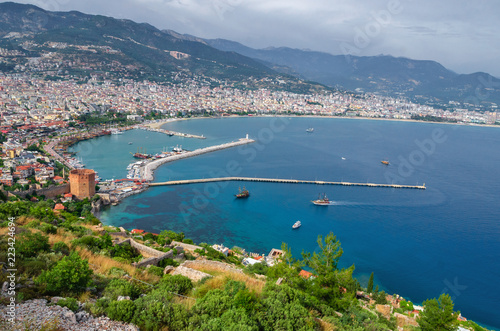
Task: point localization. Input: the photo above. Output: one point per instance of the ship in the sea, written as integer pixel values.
(385, 162)
(310, 130)
(140, 155)
(322, 201)
(296, 225)
(242, 193)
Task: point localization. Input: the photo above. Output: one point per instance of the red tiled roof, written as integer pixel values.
(137, 231)
(59, 206)
(305, 274)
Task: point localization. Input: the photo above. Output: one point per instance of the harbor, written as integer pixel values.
(284, 181)
(146, 170)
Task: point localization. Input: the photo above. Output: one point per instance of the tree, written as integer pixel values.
(369, 288)
(438, 315)
(326, 261)
(70, 275)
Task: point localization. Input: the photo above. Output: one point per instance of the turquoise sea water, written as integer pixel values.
(418, 243)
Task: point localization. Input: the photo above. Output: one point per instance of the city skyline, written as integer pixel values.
(461, 36)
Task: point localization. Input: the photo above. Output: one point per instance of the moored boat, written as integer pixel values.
(385, 162)
(310, 130)
(296, 225)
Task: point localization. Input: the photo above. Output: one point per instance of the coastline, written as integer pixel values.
(158, 125)
(358, 118)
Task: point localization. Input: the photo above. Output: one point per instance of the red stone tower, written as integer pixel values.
(82, 183)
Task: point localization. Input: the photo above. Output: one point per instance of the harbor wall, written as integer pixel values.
(152, 166)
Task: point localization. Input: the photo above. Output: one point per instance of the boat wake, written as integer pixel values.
(346, 203)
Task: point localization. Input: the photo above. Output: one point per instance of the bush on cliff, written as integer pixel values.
(29, 244)
(70, 275)
(120, 287)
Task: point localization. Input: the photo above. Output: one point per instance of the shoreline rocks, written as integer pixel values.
(36, 314)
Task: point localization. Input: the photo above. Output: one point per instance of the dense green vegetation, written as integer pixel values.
(54, 254)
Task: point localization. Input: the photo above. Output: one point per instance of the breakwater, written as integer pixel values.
(148, 169)
(171, 133)
(286, 181)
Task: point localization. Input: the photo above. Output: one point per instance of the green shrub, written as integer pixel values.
(380, 298)
(188, 241)
(257, 268)
(61, 247)
(121, 260)
(116, 272)
(70, 275)
(406, 305)
(121, 310)
(165, 262)
(48, 228)
(155, 312)
(176, 284)
(99, 307)
(125, 251)
(71, 303)
(33, 224)
(30, 244)
(120, 287)
(89, 242)
(31, 267)
(154, 270)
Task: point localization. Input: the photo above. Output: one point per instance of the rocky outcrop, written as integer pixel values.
(403, 320)
(385, 310)
(37, 315)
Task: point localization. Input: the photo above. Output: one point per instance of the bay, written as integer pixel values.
(419, 243)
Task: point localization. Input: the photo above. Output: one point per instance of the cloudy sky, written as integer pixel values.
(464, 36)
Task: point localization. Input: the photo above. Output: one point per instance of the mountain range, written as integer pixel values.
(423, 81)
(79, 45)
(84, 44)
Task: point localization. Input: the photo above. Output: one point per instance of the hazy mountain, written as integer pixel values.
(424, 80)
(119, 47)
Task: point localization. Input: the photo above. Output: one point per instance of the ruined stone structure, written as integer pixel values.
(82, 182)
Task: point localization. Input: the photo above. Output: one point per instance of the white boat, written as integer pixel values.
(296, 225)
(310, 130)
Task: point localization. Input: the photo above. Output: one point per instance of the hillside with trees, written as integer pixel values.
(72, 261)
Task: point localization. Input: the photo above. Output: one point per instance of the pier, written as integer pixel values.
(171, 133)
(148, 169)
(284, 181)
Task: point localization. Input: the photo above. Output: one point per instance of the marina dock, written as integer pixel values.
(285, 181)
(148, 169)
(171, 133)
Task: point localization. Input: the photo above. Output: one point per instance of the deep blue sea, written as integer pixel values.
(419, 243)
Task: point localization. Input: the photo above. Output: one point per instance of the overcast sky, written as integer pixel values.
(464, 36)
